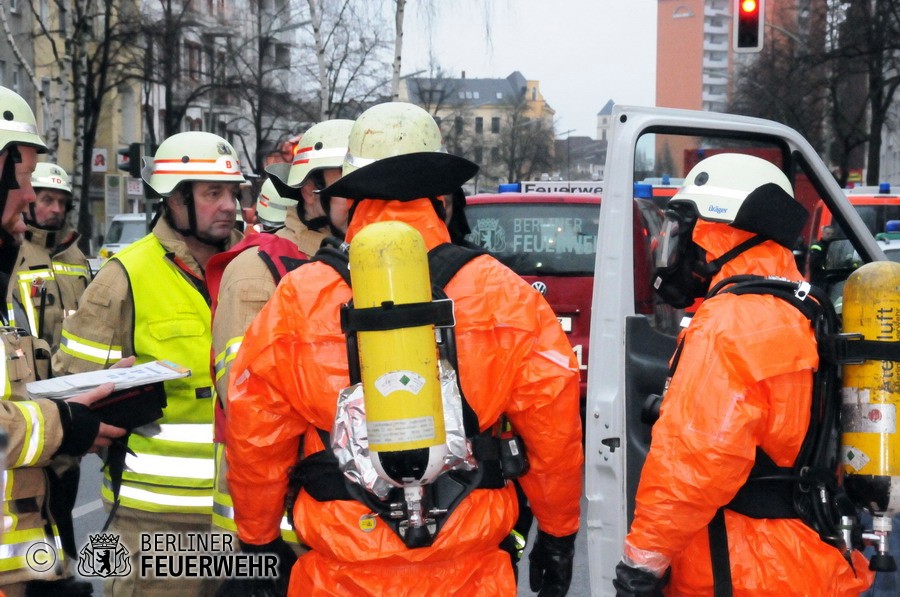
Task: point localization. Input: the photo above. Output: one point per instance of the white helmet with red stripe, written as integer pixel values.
(324, 145)
(188, 157)
(272, 208)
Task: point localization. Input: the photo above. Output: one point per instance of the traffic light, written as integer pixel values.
(130, 160)
(749, 20)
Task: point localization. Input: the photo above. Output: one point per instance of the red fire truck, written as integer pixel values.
(547, 233)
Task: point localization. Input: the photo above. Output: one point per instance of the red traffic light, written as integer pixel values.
(747, 33)
(130, 159)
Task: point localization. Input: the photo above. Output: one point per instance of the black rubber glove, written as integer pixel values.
(80, 427)
(249, 587)
(70, 587)
(634, 582)
(550, 564)
(286, 559)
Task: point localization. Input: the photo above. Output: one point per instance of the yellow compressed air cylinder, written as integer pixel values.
(871, 390)
(399, 367)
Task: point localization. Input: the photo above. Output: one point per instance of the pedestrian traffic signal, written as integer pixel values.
(130, 160)
(749, 19)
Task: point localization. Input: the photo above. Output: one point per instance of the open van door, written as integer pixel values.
(629, 356)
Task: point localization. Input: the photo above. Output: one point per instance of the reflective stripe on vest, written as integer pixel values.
(69, 269)
(224, 358)
(169, 466)
(196, 433)
(34, 434)
(23, 549)
(159, 499)
(11, 314)
(172, 467)
(25, 279)
(87, 350)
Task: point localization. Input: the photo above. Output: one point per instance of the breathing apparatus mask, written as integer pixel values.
(741, 191)
(682, 273)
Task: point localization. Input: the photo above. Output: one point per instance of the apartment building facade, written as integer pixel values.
(503, 124)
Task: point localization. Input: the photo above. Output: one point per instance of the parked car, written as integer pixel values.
(123, 230)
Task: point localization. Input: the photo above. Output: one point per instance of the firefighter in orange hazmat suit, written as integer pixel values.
(513, 359)
(742, 382)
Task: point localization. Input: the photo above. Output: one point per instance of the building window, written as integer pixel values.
(479, 125)
(495, 124)
(499, 95)
(479, 154)
(220, 66)
(3, 72)
(13, 5)
(458, 124)
(475, 94)
(495, 154)
(15, 81)
(193, 57)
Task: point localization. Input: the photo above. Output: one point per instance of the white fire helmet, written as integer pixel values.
(189, 157)
(50, 176)
(272, 208)
(391, 129)
(17, 123)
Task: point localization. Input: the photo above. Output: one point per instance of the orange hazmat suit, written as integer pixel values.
(514, 359)
(743, 380)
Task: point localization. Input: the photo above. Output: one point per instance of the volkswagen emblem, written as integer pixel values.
(540, 287)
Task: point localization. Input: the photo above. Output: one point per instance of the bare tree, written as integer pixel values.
(787, 82)
(399, 12)
(350, 66)
(180, 55)
(430, 11)
(258, 72)
(870, 38)
(526, 148)
(839, 65)
(84, 42)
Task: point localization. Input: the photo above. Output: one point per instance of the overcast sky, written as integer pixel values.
(583, 52)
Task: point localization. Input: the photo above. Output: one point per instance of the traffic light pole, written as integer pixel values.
(748, 17)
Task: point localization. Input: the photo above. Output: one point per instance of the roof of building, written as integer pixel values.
(607, 109)
(474, 92)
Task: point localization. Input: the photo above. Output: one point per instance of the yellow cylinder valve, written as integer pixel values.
(871, 390)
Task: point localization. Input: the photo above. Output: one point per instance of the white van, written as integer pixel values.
(123, 230)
